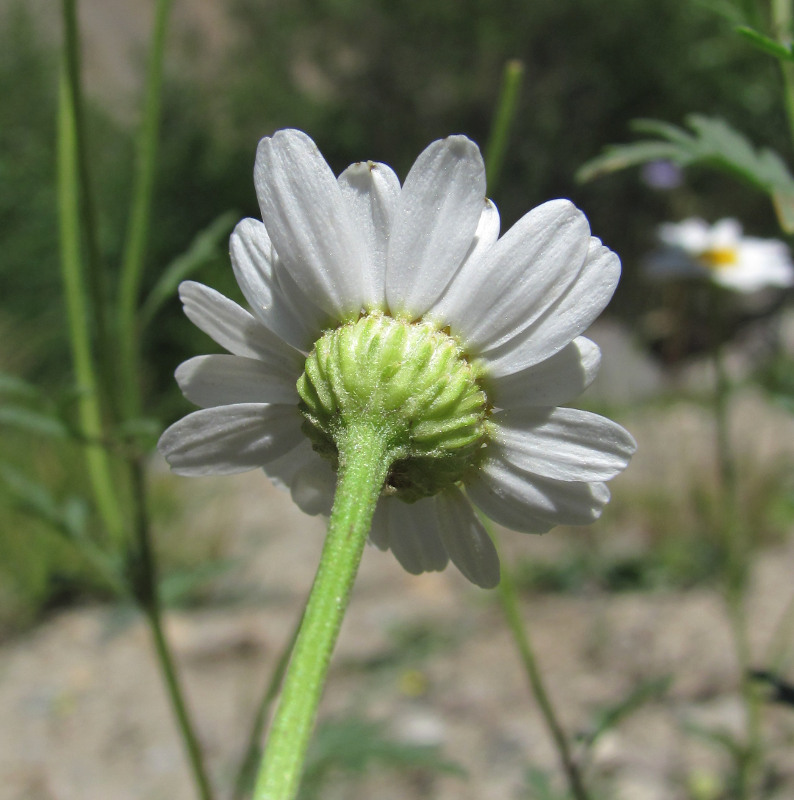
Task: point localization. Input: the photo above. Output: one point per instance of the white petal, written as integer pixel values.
(496, 297)
(379, 532)
(434, 224)
(282, 470)
(220, 380)
(562, 443)
(313, 487)
(413, 534)
(487, 231)
(308, 221)
(532, 504)
(371, 191)
(692, 235)
(726, 233)
(290, 314)
(466, 540)
(458, 289)
(231, 326)
(563, 321)
(229, 439)
(555, 381)
(761, 263)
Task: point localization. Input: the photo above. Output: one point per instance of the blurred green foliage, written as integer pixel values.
(367, 79)
(371, 79)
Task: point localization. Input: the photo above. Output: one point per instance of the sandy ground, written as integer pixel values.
(84, 714)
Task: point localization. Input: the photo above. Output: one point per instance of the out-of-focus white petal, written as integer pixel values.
(759, 263)
(725, 233)
(413, 534)
(231, 326)
(720, 253)
(371, 191)
(692, 235)
(379, 531)
(555, 381)
(313, 487)
(465, 539)
(434, 224)
(564, 320)
(218, 380)
(289, 314)
(309, 221)
(530, 503)
(282, 470)
(229, 439)
(562, 443)
(494, 298)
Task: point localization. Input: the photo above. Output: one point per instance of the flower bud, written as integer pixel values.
(411, 382)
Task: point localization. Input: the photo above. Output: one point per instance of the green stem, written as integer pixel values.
(145, 583)
(140, 215)
(503, 119)
(253, 749)
(508, 599)
(98, 463)
(737, 560)
(782, 27)
(781, 639)
(97, 285)
(363, 465)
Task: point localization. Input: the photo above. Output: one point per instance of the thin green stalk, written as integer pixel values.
(253, 750)
(508, 599)
(140, 216)
(780, 642)
(494, 158)
(781, 12)
(503, 120)
(738, 556)
(363, 465)
(96, 280)
(98, 464)
(145, 583)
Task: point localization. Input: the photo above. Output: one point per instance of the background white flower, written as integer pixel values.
(330, 249)
(722, 254)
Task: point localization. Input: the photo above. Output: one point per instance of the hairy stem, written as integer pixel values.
(363, 466)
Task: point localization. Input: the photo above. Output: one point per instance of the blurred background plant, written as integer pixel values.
(420, 71)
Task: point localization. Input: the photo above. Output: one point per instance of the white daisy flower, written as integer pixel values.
(365, 293)
(723, 255)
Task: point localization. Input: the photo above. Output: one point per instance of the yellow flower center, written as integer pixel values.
(719, 257)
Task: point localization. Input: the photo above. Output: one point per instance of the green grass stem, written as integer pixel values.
(508, 600)
(140, 217)
(97, 289)
(506, 107)
(98, 464)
